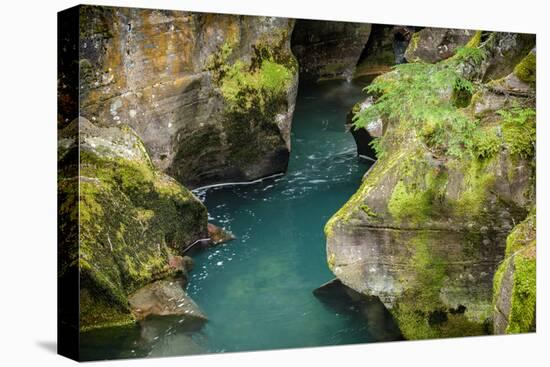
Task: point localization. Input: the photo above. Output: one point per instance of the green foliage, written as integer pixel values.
(519, 130)
(467, 53)
(417, 97)
(368, 211)
(486, 142)
(377, 145)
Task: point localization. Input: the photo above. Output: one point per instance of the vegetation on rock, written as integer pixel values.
(132, 219)
(455, 172)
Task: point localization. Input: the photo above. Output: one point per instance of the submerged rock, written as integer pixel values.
(218, 235)
(372, 312)
(436, 44)
(211, 95)
(427, 229)
(165, 298)
(328, 49)
(132, 219)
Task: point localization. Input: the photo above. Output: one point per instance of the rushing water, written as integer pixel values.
(257, 289)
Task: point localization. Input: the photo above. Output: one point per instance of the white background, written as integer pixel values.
(28, 181)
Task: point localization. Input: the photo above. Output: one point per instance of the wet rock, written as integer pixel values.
(218, 235)
(327, 49)
(165, 298)
(436, 44)
(212, 96)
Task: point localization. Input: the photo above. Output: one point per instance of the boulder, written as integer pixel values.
(211, 95)
(218, 235)
(132, 219)
(427, 228)
(435, 44)
(165, 298)
(328, 49)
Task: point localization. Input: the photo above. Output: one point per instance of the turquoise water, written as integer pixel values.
(257, 289)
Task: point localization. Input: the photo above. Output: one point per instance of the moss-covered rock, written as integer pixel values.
(436, 44)
(427, 229)
(179, 78)
(131, 219)
(515, 295)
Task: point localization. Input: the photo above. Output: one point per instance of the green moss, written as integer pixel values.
(348, 210)
(368, 211)
(415, 198)
(269, 80)
(420, 313)
(132, 218)
(524, 295)
(478, 179)
(519, 130)
(405, 203)
(521, 259)
(413, 44)
(486, 142)
(526, 69)
(475, 40)
(523, 234)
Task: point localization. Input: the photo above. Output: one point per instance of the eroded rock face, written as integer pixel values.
(212, 96)
(436, 44)
(327, 49)
(132, 219)
(427, 229)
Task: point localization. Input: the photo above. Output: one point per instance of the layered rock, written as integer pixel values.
(133, 220)
(427, 229)
(211, 96)
(328, 49)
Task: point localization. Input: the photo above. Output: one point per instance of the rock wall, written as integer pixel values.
(211, 96)
(427, 229)
(133, 220)
(328, 49)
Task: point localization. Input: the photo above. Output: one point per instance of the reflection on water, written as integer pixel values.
(257, 289)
